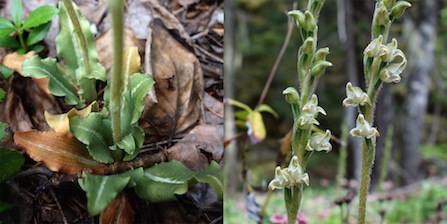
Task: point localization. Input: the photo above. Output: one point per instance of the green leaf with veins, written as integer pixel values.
(6, 72)
(57, 84)
(213, 176)
(9, 42)
(139, 85)
(101, 190)
(39, 16)
(6, 27)
(95, 132)
(16, 12)
(165, 180)
(38, 34)
(69, 47)
(10, 163)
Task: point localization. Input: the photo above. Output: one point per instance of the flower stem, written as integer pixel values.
(292, 198)
(89, 93)
(116, 80)
(368, 153)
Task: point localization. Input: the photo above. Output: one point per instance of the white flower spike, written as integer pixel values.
(320, 142)
(355, 96)
(364, 129)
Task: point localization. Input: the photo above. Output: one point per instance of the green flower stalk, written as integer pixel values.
(311, 66)
(383, 62)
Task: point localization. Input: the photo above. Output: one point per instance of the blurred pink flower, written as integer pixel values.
(325, 214)
(301, 219)
(277, 218)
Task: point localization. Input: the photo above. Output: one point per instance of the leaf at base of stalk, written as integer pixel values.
(101, 190)
(95, 132)
(57, 84)
(163, 181)
(139, 86)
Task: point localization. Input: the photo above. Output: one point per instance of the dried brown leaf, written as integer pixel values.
(25, 105)
(119, 211)
(60, 122)
(178, 87)
(105, 52)
(59, 152)
(213, 110)
(196, 150)
(168, 19)
(15, 60)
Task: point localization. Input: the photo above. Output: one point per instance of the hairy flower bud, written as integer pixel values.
(308, 46)
(297, 16)
(309, 22)
(320, 67)
(291, 95)
(381, 20)
(399, 9)
(389, 3)
(321, 54)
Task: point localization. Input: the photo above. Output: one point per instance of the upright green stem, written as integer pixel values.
(22, 42)
(117, 79)
(293, 201)
(87, 85)
(341, 170)
(368, 153)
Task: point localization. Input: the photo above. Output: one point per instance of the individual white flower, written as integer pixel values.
(290, 176)
(280, 180)
(309, 112)
(319, 142)
(312, 107)
(355, 96)
(307, 119)
(296, 173)
(376, 48)
(364, 129)
(397, 62)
